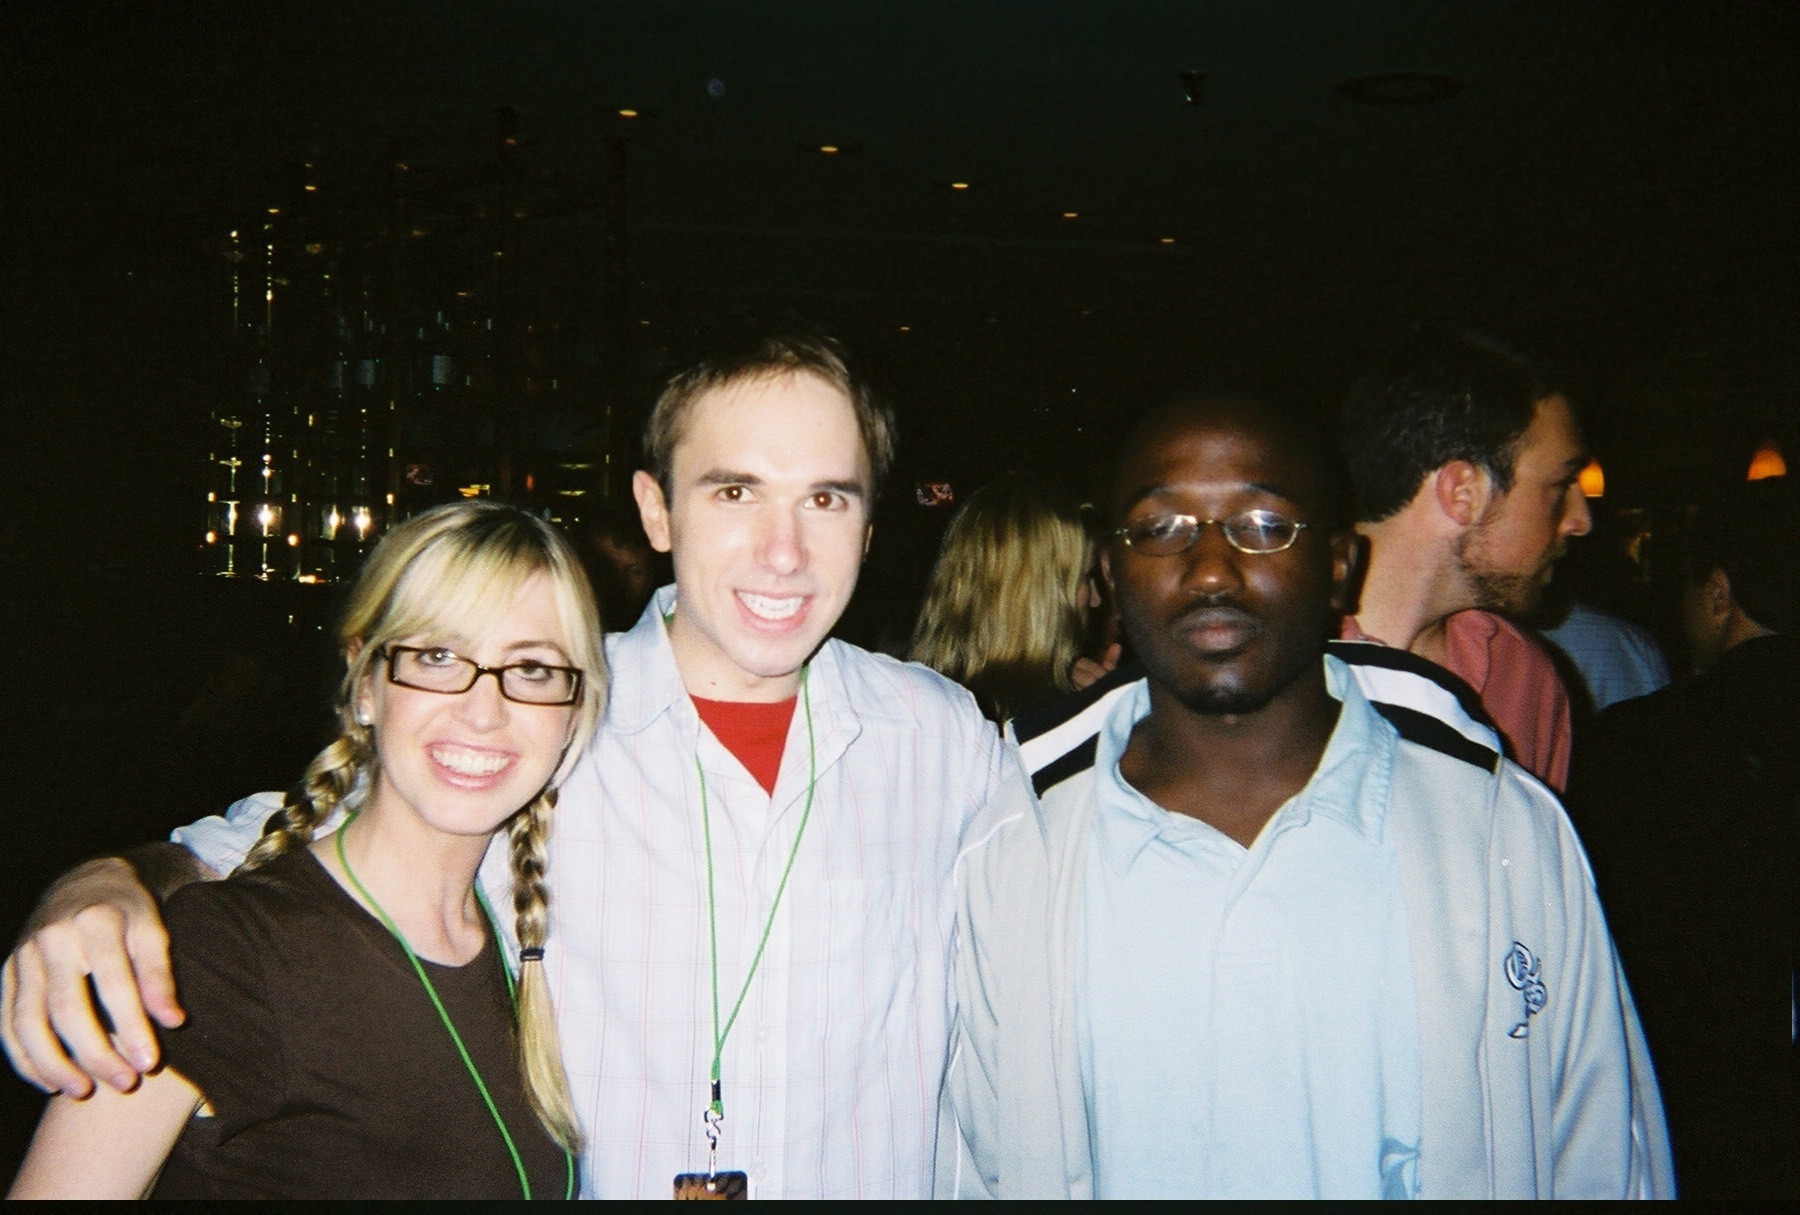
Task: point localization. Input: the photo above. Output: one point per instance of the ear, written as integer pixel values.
(1716, 595)
(1349, 562)
(1106, 574)
(868, 538)
(653, 509)
(364, 700)
(1462, 491)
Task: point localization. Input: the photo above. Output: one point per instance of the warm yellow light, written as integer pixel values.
(1592, 480)
(1766, 463)
(310, 189)
(906, 329)
(959, 185)
(830, 149)
(293, 540)
(274, 210)
(627, 113)
(1071, 215)
(212, 537)
(1168, 240)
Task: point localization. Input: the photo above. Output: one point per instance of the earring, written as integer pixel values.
(364, 718)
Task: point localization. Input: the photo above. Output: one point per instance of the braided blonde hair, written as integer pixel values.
(464, 563)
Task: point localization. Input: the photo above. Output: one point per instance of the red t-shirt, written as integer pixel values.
(755, 733)
(1518, 686)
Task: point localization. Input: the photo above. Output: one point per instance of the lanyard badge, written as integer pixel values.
(713, 1184)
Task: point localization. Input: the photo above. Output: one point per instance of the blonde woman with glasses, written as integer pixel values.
(358, 1024)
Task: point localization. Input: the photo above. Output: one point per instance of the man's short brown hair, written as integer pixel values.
(767, 356)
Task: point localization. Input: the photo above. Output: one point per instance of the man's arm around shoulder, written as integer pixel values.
(100, 922)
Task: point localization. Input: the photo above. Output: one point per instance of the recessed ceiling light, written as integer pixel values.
(628, 113)
(906, 329)
(959, 185)
(311, 189)
(1401, 88)
(1168, 240)
(830, 149)
(1071, 215)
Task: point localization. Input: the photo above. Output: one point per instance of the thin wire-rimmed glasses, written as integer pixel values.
(1258, 532)
(436, 669)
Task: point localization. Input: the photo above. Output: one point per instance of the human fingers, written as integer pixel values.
(31, 1046)
(91, 942)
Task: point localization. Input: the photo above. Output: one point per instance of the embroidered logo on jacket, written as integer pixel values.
(1522, 968)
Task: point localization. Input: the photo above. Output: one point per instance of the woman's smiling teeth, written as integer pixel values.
(766, 608)
(467, 762)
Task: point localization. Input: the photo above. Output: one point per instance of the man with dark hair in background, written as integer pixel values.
(623, 567)
(1687, 800)
(1464, 459)
(1251, 940)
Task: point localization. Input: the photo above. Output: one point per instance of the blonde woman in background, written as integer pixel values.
(1006, 610)
(353, 1030)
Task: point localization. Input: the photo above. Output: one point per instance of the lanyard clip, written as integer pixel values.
(714, 1118)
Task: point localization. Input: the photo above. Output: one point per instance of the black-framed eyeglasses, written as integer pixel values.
(1258, 532)
(436, 669)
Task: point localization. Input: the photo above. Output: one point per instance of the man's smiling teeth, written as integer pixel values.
(465, 762)
(770, 609)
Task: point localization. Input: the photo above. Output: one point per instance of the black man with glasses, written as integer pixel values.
(1254, 940)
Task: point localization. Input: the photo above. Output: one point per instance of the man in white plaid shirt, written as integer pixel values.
(755, 792)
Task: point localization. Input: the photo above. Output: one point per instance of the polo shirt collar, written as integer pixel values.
(1350, 786)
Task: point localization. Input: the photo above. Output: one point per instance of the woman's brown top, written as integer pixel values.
(328, 1072)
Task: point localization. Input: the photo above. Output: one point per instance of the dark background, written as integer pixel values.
(1609, 185)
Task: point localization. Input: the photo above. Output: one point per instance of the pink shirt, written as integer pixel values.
(1518, 686)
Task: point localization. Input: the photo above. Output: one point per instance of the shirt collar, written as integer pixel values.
(645, 681)
(647, 684)
(1350, 786)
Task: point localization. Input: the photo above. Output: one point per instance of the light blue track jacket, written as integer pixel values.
(1536, 1080)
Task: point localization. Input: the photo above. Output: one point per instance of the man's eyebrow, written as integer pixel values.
(1258, 487)
(725, 476)
(850, 489)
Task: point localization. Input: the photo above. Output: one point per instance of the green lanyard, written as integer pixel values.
(443, 1015)
(714, 1114)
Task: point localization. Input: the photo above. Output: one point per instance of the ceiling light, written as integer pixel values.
(1766, 463)
(628, 113)
(959, 185)
(1592, 480)
(906, 329)
(1401, 88)
(830, 149)
(1071, 215)
(1168, 240)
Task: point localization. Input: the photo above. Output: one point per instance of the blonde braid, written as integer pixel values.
(540, 1057)
(328, 781)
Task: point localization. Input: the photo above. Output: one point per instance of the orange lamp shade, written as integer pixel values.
(1592, 480)
(1767, 462)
